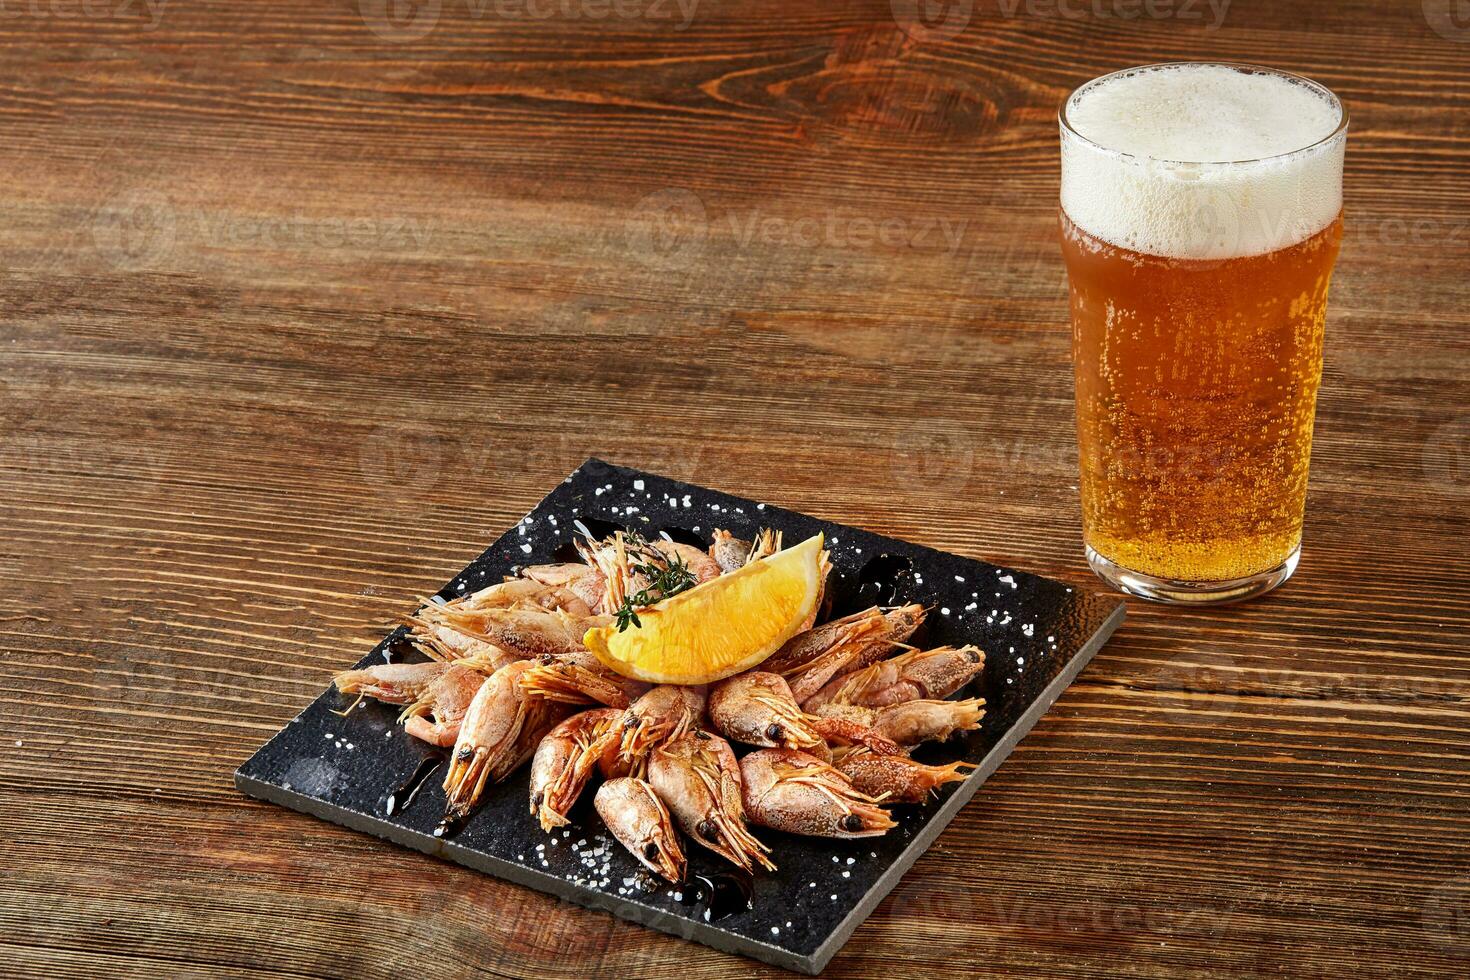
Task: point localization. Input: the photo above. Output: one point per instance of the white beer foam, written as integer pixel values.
(1201, 161)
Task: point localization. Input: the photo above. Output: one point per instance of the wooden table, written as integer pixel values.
(304, 304)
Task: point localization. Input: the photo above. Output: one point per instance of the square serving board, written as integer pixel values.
(1037, 635)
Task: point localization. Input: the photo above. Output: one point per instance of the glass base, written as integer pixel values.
(1192, 593)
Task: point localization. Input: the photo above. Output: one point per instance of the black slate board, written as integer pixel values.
(1037, 635)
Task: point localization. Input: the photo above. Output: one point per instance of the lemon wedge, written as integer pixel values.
(717, 629)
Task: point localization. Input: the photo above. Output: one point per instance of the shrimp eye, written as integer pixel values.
(702, 735)
(650, 850)
(536, 800)
(773, 732)
(974, 656)
(707, 829)
(630, 720)
(466, 753)
(852, 822)
(547, 659)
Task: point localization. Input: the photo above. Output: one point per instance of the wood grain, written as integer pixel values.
(297, 317)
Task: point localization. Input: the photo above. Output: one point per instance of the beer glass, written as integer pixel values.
(1201, 211)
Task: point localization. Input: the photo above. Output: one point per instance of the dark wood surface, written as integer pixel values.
(296, 317)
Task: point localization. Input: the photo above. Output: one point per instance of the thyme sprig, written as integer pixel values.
(666, 577)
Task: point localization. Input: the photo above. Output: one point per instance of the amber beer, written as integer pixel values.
(1201, 216)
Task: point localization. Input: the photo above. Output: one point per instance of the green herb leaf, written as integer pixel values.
(667, 577)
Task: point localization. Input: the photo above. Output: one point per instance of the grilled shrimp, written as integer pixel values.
(664, 713)
(766, 544)
(523, 631)
(912, 722)
(583, 581)
(627, 563)
(444, 643)
(521, 592)
(899, 623)
(580, 678)
(845, 732)
(698, 562)
(433, 631)
(391, 683)
(731, 553)
(639, 820)
(617, 560)
(933, 673)
(728, 551)
(806, 648)
(897, 778)
(792, 791)
(876, 637)
(440, 690)
(436, 714)
(697, 777)
(757, 708)
(499, 732)
(612, 765)
(564, 761)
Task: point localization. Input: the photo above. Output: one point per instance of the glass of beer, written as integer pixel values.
(1201, 215)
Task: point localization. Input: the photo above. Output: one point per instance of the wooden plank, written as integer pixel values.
(296, 318)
